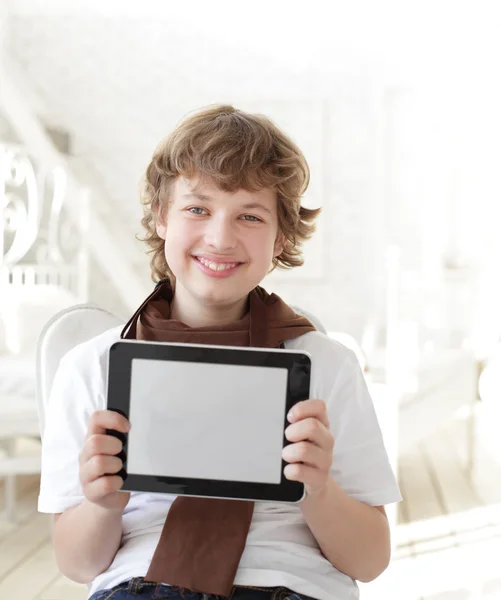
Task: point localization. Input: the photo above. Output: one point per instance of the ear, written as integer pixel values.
(279, 246)
(161, 222)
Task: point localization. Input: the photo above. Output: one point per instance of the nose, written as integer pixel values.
(220, 233)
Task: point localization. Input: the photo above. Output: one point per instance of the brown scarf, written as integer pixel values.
(203, 539)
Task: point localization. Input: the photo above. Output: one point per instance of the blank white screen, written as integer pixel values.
(206, 421)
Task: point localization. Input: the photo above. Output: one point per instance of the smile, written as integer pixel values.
(216, 266)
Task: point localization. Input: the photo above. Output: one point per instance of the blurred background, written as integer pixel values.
(396, 107)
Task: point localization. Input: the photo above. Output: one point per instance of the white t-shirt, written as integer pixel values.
(280, 548)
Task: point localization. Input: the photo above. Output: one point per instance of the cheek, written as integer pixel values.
(262, 247)
(179, 237)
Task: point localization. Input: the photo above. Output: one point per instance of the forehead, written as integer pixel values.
(185, 188)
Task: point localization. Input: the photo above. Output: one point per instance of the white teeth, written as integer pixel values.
(216, 266)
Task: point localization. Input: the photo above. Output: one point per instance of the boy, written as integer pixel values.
(221, 206)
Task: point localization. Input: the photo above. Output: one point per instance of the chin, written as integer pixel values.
(220, 297)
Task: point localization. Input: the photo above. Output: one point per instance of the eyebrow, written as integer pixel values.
(248, 205)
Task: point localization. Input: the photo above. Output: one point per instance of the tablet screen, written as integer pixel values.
(206, 420)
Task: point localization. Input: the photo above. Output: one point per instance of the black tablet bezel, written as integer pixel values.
(298, 365)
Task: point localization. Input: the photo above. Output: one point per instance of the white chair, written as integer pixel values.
(311, 318)
(63, 332)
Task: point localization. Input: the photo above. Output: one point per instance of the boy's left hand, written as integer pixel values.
(310, 451)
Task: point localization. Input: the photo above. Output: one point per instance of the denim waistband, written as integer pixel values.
(139, 588)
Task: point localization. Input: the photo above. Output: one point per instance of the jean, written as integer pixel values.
(138, 588)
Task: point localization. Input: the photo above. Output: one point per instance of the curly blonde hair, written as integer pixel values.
(234, 150)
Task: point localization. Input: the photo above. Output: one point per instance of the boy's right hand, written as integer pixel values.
(98, 463)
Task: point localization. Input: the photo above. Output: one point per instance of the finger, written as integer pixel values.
(100, 444)
(311, 477)
(102, 487)
(98, 466)
(309, 454)
(309, 408)
(101, 420)
(311, 430)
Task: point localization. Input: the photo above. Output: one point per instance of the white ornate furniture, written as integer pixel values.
(42, 271)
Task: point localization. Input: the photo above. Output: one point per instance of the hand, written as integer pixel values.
(310, 453)
(98, 464)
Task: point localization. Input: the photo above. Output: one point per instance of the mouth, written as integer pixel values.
(216, 268)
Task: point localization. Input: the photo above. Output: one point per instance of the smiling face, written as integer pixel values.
(219, 246)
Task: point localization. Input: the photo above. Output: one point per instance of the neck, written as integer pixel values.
(184, 309)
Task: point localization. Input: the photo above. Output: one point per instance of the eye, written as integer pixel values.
(251, 218)
(196, 210)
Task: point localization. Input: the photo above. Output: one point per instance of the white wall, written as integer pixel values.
(119, 76)
(119, 85)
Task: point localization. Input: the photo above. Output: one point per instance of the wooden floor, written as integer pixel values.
(448, 538)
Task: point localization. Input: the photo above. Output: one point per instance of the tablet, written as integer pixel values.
(207, 420)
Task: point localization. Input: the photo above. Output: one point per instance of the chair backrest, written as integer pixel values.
(73, 326)
(310, 317)
(64, 331)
